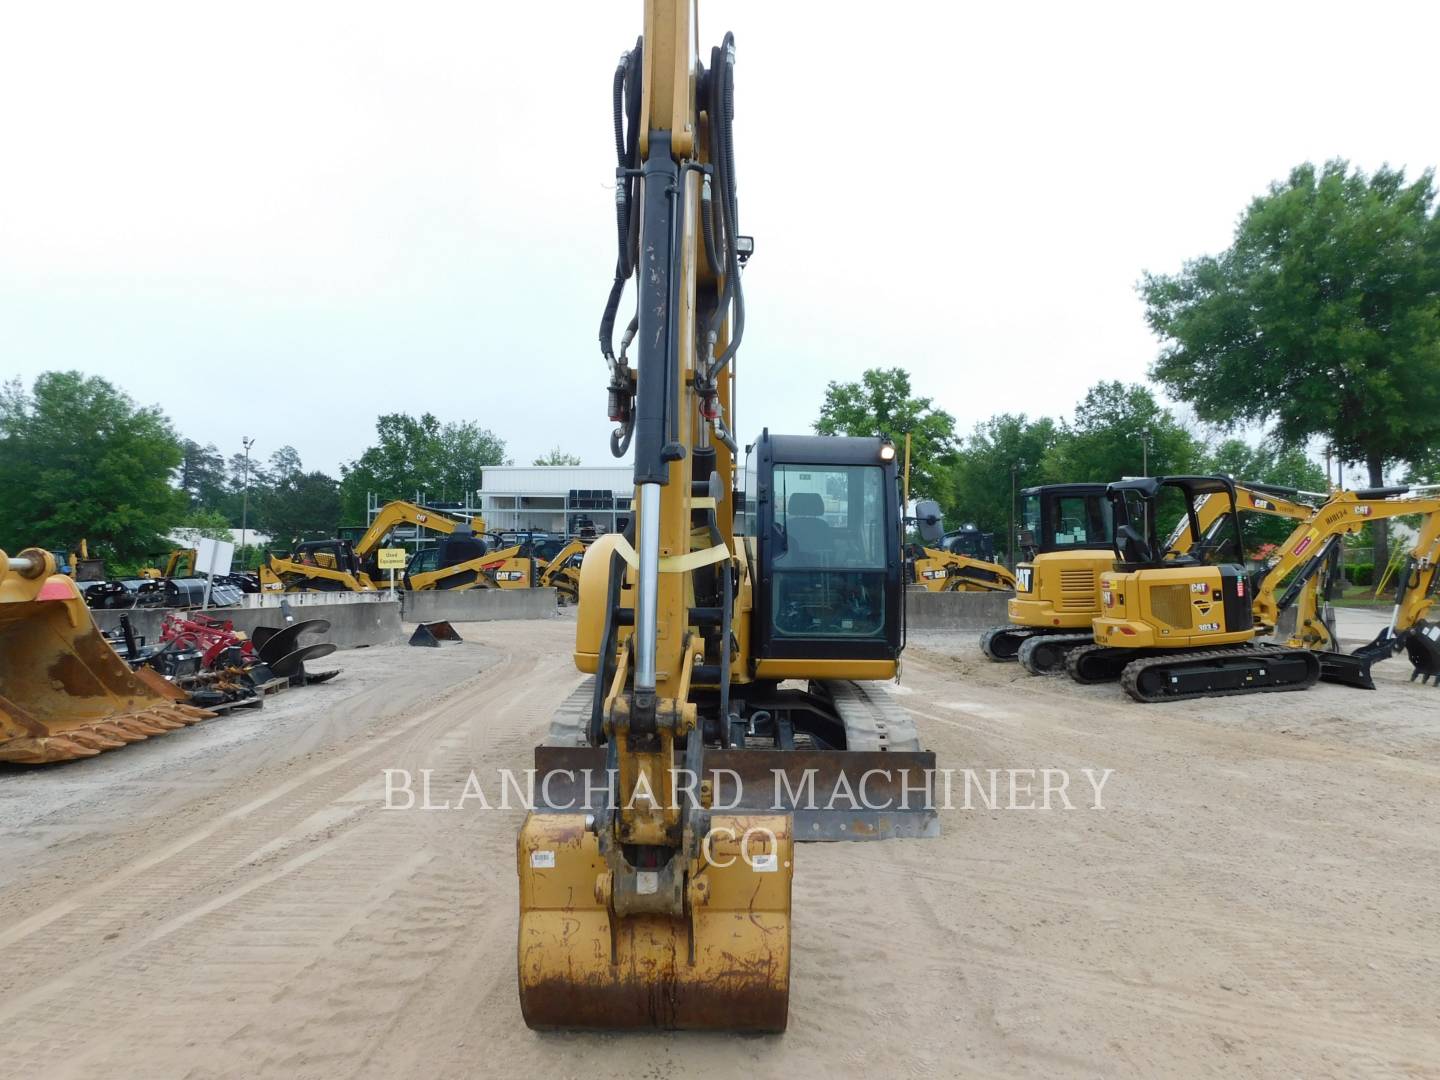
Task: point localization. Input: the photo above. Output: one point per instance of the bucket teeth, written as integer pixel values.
(43, 750)
(164, 723)
(88, 737)
(115, 730)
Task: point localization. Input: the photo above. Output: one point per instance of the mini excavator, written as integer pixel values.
(1180, 624)
(1067, 533)
(739, 646)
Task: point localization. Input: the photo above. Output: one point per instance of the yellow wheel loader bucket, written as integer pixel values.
(64, 692)
(723, 965)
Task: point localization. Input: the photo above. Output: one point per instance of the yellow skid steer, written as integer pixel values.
(64, 692)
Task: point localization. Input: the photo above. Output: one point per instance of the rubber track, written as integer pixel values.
(1034, 643)
(1130, 677)
(1072, 663)
(1024, 633)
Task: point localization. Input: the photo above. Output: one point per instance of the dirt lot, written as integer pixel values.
(1257, 897)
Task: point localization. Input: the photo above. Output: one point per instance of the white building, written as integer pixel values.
(556, 498)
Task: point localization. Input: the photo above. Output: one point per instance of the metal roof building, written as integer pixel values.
(556, 498)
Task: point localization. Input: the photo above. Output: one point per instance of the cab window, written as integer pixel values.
(830, 552)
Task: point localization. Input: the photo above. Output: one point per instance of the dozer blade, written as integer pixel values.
(432, 633)
(64, 691)
(831, 794)
(1347, 670)
(725, 966)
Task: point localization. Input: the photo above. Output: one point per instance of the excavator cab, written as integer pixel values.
(970, 541)
(1163, 596)
(1066, 534)
(827, 537)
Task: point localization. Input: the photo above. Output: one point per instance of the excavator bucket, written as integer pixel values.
(1422, 646)
(433, 633)
(725, 965)
(64, 691)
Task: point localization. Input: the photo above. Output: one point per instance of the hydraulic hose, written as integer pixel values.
(722, 114)
(625, 111)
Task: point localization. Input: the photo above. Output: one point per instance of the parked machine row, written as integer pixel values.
(1106, 594)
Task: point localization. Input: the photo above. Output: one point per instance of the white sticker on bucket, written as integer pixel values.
(542, 860)
(647, 882)
(764, 864)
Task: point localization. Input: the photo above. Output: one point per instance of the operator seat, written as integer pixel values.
(806, 530)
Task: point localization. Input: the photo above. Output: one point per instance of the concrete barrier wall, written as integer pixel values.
(926, 610)
(478, 605)
(351, 625)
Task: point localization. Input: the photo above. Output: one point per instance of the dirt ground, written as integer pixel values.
(1258, 895)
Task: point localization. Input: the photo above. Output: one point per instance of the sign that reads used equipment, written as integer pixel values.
(391, 558)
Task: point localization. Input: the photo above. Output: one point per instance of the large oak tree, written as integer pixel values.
(1321, 319)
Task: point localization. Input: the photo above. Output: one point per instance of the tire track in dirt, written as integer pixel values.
(245, 913)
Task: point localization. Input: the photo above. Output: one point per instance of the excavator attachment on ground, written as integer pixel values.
(64, 692)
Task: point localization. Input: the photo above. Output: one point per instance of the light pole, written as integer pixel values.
(1144, 451)
(247, 442)
(1014, 476)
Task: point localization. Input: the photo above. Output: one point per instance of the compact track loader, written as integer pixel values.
(64, 692)
(952, 562)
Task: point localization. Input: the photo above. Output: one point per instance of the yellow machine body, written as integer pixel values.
(64, 692)
(725, 963)
(1059, 588)
(562, 572)
(945, 571)
(1171, 608)
(649, 910)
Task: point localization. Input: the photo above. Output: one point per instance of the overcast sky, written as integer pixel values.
(283, 219)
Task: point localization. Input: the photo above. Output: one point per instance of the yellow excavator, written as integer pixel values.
(1183, 624)
(1308, 563)
(1067, 533)
(562, 572)
(736, 652)
(64, 692)
(945, 569)
(461, 559)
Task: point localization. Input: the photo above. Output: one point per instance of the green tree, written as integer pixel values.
(418, 456)
(981, 478)
(882, 403)
(1265, 464)
(242, 477)
(300, 506)
(1425, 470)
(80, 460)
(209, 524)
(1119, 430)
(1323, 318)
(201, 476)
(557, 457)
